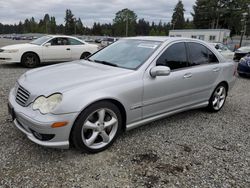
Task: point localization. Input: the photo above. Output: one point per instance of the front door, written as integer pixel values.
(166, 93)
(58, 50)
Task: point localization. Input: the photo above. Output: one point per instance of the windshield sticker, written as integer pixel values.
(147, 45)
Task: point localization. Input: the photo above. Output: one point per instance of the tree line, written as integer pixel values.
(207, 14)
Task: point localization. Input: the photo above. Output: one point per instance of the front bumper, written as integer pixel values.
(9, 57)
(32, 122)
(243, 69)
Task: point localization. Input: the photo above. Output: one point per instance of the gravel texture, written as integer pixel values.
(191, 149)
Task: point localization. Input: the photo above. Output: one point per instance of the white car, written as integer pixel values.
(107, 41)
(47, 49)
(224, 50)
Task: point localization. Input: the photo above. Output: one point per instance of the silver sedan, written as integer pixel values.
(132, 82)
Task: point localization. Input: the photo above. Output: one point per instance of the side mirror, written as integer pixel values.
(159, 71)
(47, 44)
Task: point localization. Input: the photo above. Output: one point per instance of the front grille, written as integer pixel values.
(22, 96)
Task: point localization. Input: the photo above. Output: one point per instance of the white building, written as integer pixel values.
(208, 35)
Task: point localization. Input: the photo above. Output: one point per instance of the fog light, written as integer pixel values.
(37, 135)
(42, 137)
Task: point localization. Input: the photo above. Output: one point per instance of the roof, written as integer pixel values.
(194, 30)
(61, 36)
(161, 38)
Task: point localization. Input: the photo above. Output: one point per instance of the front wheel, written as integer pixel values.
(85, 55)
(218, 98)
(97, 127)
(30, 60)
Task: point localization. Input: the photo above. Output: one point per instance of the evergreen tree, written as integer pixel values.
(178, 20)
(69, 22)
(125, 21)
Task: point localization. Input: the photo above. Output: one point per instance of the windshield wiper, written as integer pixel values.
(106, 63)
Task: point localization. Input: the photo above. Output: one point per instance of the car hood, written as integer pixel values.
(244, 49)
(67, 76)
(18, 46)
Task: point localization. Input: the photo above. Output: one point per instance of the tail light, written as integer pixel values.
(235, 70)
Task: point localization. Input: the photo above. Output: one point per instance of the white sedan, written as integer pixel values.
(224, 50)
(47, 49)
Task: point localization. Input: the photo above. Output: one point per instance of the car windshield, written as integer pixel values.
(40, 40)
(127, 53)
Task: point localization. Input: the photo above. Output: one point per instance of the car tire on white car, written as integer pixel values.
(218, 98)
(30, 60)
(85, 55)
(97, 127)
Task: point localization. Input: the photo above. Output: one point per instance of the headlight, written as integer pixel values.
(242, 60)
(11, 51)
(47, 105)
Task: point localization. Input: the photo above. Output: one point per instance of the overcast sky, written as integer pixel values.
(90, 11)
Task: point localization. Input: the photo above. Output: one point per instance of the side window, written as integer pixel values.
(212, 58)
(198, 54)
(74, 42)
(54, 41)
(175, 57)
(59, 41)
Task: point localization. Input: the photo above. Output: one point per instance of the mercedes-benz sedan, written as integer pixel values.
(134, 81)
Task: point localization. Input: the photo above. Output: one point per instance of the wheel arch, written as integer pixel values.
(115, 102)
(32, 52)
(225, 83)
(85, 52)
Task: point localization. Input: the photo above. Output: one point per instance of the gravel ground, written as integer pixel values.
(191, 149)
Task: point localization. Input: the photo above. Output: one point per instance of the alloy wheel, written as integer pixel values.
(99, 128)
(219, 98)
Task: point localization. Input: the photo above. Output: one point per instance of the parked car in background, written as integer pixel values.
(241, 52)
(224, 50)
(16, 37)
(51, 48)
(244, 66)
(131, 82)
(107, 41)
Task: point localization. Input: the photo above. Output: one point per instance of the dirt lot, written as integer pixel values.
(191, 149)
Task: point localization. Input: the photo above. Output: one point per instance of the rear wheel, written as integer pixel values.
(85, 55)
(97, 127)
(30, 60)
(218, 98)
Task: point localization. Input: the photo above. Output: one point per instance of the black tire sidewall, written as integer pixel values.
(210, 105)
(84, 55)
(76, 136)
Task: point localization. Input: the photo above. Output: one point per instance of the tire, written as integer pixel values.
(97, 127)
(218, 98)
(85, 55)
(241, 75)
(30, 60)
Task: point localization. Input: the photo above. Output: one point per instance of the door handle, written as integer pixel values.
(217, 69)
(68, 49)
(188, 75)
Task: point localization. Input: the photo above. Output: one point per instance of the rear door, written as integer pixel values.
(77, 48)
(204, 68)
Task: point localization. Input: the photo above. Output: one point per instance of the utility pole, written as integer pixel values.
(244, 26)
(46, 24)
(74, 25)
(127, 24)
